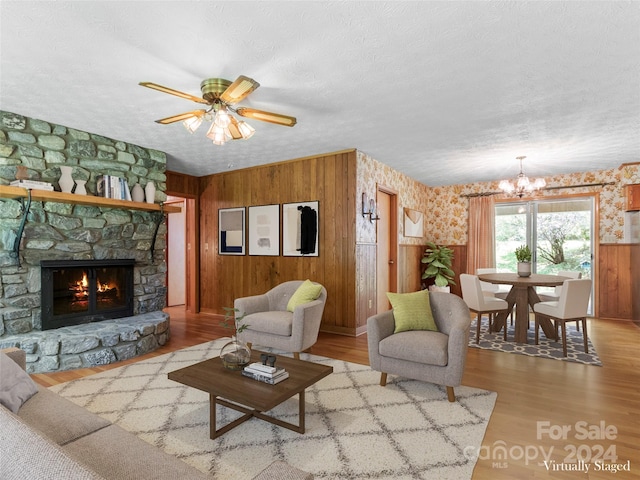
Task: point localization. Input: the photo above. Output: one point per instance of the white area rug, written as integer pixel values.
(354, 427)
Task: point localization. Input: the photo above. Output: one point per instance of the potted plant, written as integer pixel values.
(439, 259)
(523, 255)
(235, 355)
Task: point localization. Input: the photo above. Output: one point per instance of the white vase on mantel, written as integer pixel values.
(150, 192)
(66, 180)
(81, 189)
(137, 193)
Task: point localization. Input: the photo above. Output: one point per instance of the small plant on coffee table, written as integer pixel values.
(235, 355)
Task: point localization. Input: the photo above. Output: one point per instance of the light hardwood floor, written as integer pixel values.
(597, 400)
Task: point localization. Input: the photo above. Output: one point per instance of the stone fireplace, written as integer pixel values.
(74, 292)
(62, 232)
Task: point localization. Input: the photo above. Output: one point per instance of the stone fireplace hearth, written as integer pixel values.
(68, 231)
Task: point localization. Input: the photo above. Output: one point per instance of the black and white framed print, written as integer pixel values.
(300, 229)
(231, 231)
(264, 230)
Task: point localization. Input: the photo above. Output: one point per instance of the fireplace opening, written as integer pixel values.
(84, 291)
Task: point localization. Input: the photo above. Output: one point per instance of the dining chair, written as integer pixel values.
(555, 296)
(492, 289)
(479, 303)
(571, 306)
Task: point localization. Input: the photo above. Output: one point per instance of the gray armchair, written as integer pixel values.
(271, 325)
(436, 357)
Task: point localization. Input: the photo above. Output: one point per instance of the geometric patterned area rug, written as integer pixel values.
(354, 427)
(547, 348)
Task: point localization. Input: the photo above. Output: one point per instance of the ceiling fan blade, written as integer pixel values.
(181, 116)
(276, 118)
(171, 91)
(239, 90)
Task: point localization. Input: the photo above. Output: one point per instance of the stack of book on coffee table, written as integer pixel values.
(265, 373)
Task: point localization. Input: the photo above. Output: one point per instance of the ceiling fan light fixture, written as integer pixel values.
(219, 135)
(192, 124)
(245, 129)
(222, 118)
(221, 95)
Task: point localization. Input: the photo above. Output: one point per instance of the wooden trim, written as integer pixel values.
(62, 197)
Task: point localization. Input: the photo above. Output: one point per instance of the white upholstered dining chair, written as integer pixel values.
(555, 295)
(492, 289)
(480, 303)
(571, 306)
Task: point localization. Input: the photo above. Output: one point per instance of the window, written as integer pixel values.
(559, 233)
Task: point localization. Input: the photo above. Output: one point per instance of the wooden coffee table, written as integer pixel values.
(251, 397)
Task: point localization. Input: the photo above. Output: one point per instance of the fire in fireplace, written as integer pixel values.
(83, 291)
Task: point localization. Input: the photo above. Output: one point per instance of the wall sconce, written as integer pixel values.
(369, 208)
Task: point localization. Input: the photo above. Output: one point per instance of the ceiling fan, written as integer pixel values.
(220, 96)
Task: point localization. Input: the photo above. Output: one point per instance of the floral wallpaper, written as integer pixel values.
(446, 208)
(411, 194)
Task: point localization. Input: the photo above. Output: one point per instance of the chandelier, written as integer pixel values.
(522, 183)
(224, 126)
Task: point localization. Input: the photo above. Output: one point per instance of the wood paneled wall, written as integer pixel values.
(366, 291)
(614, 280)
(182, 185)
(635, 281)
(331, 180)
(410, 268)
(459, 266)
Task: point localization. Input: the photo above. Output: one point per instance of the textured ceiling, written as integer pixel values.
(445, 92)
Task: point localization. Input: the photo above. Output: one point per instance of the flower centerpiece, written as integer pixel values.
(235, 355)
(523, 255)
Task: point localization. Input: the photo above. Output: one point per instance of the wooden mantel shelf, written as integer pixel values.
(61, 197)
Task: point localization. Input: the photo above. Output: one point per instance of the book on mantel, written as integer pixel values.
(271, 378)
(32, 184)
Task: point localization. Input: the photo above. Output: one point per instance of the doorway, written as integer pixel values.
(182, 254)
(176, 256)
(386, 246)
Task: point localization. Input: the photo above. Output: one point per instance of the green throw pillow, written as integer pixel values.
(307, 292)
(412, 311)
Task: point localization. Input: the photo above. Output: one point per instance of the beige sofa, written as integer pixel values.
(51, 438)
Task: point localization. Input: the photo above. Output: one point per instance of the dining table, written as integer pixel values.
(523, 295)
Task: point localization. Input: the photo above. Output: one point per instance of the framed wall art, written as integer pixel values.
(413, 223)
(300, 225)
(231, 228)
(264, 230)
